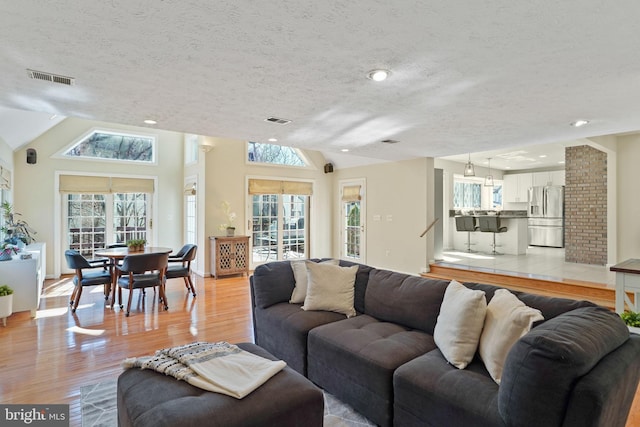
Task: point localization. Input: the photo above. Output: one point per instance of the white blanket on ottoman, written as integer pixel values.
(219, 367)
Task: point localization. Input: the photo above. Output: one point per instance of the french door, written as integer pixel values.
(279, 227)
(92, 221)
(352, 220)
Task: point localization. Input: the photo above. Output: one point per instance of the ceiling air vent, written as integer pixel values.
(49, 77)
(389, 141)
(277, 120)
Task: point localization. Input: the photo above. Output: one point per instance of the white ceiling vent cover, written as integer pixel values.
(277, 120)
(50, 77)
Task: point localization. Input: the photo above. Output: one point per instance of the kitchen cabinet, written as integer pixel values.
(229, 255)
(548, 178)
(515, 187)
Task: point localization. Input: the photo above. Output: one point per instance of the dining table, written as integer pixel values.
(117, 254)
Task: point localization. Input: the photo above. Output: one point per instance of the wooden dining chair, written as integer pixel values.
(83, 278)
(181, 266)
(141, 272)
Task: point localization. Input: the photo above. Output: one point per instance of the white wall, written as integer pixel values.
(404, 191)
(627, 213)
(34, 185)
(227, 172)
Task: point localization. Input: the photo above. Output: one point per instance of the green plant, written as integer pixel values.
(136, 242)
(15, 228)
(631, 318)
(5, 290)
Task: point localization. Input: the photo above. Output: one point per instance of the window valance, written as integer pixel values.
(268, 186)
(104, 184)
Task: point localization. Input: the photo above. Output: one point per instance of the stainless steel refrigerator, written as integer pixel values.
(546, 216)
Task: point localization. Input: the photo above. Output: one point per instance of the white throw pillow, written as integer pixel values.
(300, 274)
(330, 288)
(507, 320)
(459, 323)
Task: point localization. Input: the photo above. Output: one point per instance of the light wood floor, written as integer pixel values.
(47, 359)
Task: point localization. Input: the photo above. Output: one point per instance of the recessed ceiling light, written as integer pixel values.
(345, 150)
(561, 162)
(579, 123)
(542, 156)
(53, 117)
(150, 122)
(273, 140)
(378, 75)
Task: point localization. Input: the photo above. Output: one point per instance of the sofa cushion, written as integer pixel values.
(330, 288)
(360, 287)
(299, 268)
(272, 283)
(542, 368)
(459, 324)
(506, 321)
(354, 359)
(428, 391)
(549, 306)
(282, 330)
(410, 301)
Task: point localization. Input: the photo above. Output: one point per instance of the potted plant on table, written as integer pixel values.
(17, 231)
(632, 320)
(6, 303)
(136, 245)
(231, 216)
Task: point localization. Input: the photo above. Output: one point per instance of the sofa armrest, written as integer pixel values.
(272, 283)
(604, 396)
(544, 366)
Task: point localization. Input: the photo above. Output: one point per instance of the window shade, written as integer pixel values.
(351, 193)
(5, 179)
(190, 189)
(104, 184)
(268, 186)
(84, 184)
(131, 185)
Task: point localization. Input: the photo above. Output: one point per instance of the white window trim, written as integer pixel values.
(57, 211)
(154, 161)
(308, 163)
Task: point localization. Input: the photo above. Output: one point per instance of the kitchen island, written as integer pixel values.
(514, 241)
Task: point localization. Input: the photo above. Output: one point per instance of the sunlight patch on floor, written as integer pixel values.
(85, 331)
(51, 312)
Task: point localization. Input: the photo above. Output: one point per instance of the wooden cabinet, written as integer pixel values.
(229, 255)
(516, 187)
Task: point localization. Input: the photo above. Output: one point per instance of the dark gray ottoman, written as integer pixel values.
(147, 398)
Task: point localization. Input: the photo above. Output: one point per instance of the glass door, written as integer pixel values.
(279, 227)
(93, 221)
(352, 221)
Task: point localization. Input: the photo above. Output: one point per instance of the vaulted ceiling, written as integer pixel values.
(465, 76)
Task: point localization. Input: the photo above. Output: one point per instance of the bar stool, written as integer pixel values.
(491, 224)
(468, 224)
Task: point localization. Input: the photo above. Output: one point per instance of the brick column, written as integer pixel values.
(585, 205)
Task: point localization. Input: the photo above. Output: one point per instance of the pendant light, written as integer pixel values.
(468, 168)
(488, 180)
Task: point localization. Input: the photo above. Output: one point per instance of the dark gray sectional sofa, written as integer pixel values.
(579, 367)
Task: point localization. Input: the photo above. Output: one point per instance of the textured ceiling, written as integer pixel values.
(466, 76)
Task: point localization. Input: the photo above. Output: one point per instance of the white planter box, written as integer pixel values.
(634, 330)
(6, 308)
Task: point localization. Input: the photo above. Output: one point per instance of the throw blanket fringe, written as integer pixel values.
(219, 367)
